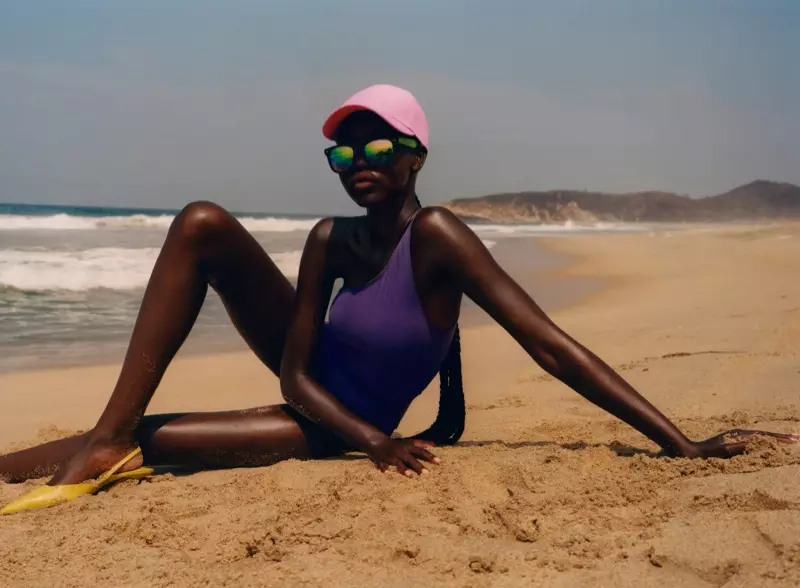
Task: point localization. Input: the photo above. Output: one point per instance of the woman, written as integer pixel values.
(347, 382)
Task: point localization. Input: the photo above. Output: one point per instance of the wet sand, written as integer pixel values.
(539, 270)
(544, 489)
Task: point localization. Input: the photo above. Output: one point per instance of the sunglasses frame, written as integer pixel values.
(398, 143)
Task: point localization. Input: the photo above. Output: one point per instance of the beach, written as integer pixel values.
(544, 489)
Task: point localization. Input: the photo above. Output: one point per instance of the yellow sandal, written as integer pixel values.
(47, 496)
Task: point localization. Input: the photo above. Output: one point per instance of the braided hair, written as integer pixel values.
(449, 424)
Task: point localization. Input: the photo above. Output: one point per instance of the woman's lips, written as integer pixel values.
(363, 180)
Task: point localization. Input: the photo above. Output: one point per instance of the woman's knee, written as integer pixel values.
(201, 220)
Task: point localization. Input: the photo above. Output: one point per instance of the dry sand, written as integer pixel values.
(543, 490)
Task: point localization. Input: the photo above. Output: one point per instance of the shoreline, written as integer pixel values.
(67, 346)
(537, 271)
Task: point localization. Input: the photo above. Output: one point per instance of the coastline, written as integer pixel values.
(544, 488)
(523, 257)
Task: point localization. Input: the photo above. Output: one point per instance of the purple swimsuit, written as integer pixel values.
(378, 351)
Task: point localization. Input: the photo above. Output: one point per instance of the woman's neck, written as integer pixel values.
(388, 221)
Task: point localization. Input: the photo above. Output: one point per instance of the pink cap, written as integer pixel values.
(396, 106)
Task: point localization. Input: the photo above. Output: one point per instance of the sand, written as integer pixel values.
(544, 489)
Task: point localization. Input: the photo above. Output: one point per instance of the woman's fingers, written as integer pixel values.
(401, 467)
(423, 443)
(748, 433)
(411, 462)
(731, 449)
(408, 458)
(423, 454)
(784, 437)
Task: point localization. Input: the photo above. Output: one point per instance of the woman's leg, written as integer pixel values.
(205, 245)
(253, 437)
(41, 460)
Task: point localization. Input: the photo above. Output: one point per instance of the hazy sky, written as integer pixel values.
(158, 102)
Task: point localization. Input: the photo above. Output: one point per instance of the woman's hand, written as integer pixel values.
(717, 447)
(405, 455)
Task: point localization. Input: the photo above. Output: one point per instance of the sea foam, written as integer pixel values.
(68, 222)
(106, 267)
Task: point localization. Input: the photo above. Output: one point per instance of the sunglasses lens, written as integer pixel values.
(409, 142)
(379, 152)
(341, 158)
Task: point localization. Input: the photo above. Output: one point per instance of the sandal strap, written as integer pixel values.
(119, 464)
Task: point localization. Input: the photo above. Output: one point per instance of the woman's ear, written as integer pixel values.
(419, 161)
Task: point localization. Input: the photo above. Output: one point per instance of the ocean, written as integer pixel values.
(72, 277)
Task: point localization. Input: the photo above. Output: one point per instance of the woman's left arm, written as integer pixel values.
(461, 254)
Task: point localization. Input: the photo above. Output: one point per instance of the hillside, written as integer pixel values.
(757, 200)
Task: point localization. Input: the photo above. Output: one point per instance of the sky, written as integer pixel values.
(156, 103)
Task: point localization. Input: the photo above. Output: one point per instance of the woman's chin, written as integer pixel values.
(368, 198)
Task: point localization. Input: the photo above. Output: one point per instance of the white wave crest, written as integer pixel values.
(68, 222)
(276, 225)
(61, 222)
(569, 227)
(108, 267)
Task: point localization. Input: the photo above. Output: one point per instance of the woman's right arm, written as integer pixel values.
(303, 392)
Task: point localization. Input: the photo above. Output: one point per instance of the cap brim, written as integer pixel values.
(336, 118)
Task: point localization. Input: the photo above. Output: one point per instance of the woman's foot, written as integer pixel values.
(95, 459)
